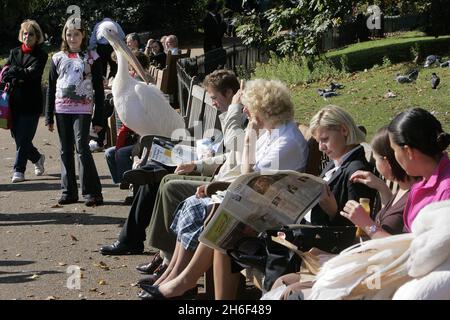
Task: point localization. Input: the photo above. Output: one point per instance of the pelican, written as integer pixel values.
(140, 106)
(412, 265)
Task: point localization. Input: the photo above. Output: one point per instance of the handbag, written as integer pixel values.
(5, 109)
(274, 259)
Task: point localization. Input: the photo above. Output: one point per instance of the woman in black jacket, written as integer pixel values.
(339, 138)
(26, 65)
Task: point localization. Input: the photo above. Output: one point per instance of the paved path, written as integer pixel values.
(40, 240)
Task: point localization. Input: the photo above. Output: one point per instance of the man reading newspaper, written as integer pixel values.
(221, 86)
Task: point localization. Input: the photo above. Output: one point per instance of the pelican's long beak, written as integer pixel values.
(120, 46)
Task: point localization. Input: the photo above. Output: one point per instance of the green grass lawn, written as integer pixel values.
(363, 96)
(397, 48)
(364, 90)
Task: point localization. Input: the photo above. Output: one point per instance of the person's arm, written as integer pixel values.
(201, 191)
(32, 72)
(328, 202)
(369, 179)
(354, 212)
(232, 140)
(208, 166)
(233, 130)
(99, 93)
(51, 92)
(249, 149)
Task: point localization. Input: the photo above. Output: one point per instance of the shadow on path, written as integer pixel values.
(24, 186)
(21, 277)
(9, 263)
(56, 218)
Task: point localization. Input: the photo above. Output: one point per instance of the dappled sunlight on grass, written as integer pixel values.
(363, 96)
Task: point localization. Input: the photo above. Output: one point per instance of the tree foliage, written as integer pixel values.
(295, 26)
(292, 26)
(134, 15)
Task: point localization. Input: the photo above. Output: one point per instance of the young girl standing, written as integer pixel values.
(75, 85)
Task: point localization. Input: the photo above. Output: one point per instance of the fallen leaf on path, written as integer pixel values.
(93, 290)
(34, 276)
(18, 255)
(102, 282)
(62, 264)
(101, 265)
(51, 298)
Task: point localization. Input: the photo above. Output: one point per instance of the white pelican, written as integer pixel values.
(413, 265)
(141, 106)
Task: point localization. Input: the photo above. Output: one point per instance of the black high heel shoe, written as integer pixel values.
(151, 292)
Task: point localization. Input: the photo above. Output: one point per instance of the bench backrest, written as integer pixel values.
(210, 115)
(196, 105)
(162, 80)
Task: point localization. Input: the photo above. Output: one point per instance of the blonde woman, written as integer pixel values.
(339, 138)
(26, 65)
(272, 141)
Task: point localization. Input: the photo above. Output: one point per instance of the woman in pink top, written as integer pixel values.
(419, 144)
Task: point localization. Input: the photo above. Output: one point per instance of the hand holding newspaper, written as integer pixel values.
(256, 202)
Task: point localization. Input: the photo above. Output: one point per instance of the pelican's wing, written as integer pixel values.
(162, 118)
(343, 273)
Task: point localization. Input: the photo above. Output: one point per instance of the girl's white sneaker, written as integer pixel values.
(18, 177)
(39, 166)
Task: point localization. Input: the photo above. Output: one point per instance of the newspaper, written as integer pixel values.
(256, 202)
(171, 154)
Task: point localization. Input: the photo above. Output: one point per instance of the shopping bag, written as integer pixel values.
(5, 110)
